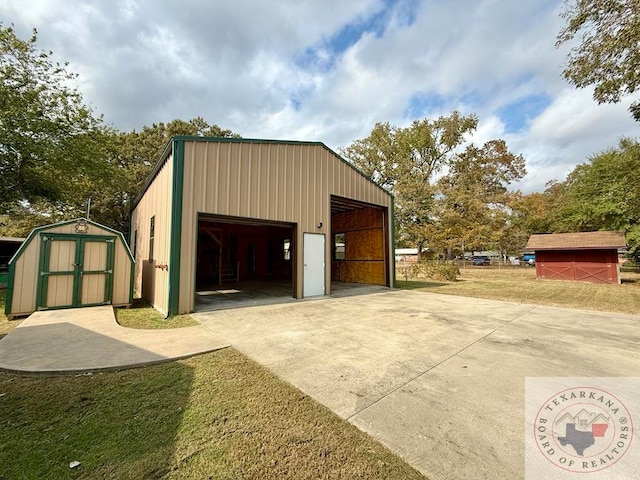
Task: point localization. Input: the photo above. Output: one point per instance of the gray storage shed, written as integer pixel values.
(76, 263)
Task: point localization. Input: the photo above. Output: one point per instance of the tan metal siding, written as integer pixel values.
(121, 275)
(61, 259)
(27, 264)
(59, 291)
(26, 279)
(92, 289)
(156, 202)
(95, 258)
(269, 181)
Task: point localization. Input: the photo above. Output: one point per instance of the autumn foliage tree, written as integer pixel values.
(405, 161)
(473, 203)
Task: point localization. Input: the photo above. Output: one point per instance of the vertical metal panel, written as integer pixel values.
(270, 181)
(92, 289)
(156, 202)
(93, 286)
(121, 275)
(59, 290)
(62, 256)
(95, 256)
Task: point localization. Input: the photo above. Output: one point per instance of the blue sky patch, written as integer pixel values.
(516, 115)
(295, 103)
(421, 105)
(323, 55)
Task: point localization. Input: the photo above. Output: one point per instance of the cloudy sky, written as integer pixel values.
(327, 70)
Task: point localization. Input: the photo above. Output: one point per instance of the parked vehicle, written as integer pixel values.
(481, 261)
(529, 259)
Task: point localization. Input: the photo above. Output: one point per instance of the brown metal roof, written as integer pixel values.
(571, 241)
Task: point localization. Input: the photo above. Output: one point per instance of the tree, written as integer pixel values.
(535, 212)
(472, 205)
(604, 194)
(132, 156)
(47, 135)
(608, 56)
(404, 162)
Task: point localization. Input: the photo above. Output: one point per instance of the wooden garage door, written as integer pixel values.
(595, 266)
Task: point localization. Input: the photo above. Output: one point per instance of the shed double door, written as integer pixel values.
(75, 270)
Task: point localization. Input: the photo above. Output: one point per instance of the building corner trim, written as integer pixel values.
(176, 227)
(393, 242)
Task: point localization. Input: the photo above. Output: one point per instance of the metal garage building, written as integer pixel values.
(233, 211)
(586, 256)
(77, 263)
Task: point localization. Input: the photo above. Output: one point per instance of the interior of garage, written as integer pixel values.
(240, 260)
(244, 262)
(359, 248)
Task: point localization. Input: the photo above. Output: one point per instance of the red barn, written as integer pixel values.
(586, 256)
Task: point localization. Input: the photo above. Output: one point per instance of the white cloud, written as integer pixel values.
(242, 65)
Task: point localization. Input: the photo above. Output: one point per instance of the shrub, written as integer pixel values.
(434, 270)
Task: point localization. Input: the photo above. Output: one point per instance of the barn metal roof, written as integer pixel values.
(577, 241)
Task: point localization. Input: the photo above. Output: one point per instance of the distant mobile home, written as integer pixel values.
(229, 211)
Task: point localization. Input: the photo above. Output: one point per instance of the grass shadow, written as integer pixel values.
(418, 284)
(116, 424)
(143, 316)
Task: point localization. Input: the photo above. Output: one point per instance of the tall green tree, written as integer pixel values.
(132, 156)
(604, 194)
(405, 161)
(608, 56)
(47, 135)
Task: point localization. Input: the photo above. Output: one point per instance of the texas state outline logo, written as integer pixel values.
(583, 429)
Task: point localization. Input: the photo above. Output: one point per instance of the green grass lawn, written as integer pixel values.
(5, 325)
(520, 285)
(218, 415)
(143, 315)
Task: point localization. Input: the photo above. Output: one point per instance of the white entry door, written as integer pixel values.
(313, 255)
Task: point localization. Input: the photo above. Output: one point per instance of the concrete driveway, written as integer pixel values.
(437, 378)
(89, 338)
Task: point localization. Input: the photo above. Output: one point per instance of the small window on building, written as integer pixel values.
(286, 248)
(152, 235)
(339, 246)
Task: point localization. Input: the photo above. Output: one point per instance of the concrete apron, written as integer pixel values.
(439, 379)
(82, 339)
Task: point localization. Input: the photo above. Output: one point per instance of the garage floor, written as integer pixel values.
(437, 378)
(265, 292)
